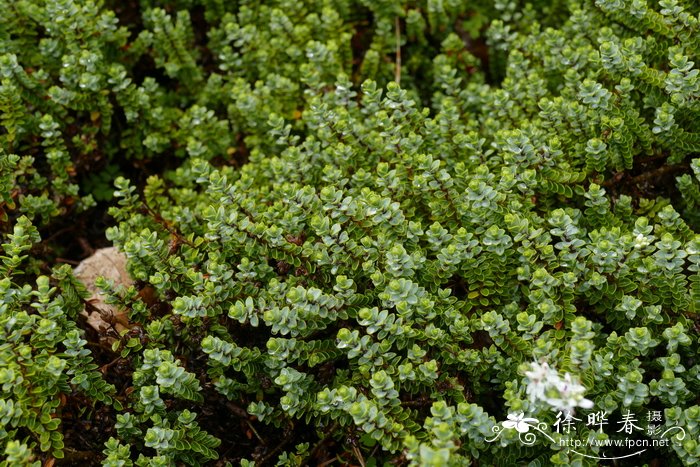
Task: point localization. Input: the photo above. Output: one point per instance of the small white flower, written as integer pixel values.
(538, 373)
(570, 395)
(641, 242)
(564, 394)
(519, 422)
(536, 391)
(539, 378)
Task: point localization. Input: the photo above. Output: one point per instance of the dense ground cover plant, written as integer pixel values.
(85, 97)
(44, 357)
(397, 267)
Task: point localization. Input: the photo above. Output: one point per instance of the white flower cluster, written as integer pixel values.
(544, 384)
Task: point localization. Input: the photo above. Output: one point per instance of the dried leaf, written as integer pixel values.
(109, 263)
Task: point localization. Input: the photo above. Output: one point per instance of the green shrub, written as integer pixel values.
(44, 357)
(396, 254)
(84, 98)
(398, 268)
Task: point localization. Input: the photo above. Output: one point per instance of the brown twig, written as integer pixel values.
(659, 172)
(59, 232)
(328, 462)
(420, 402)
(651, 175)
(106, 316)
(162, 222)
(107, 366)
(288, 436)
(255, 432)
(67, 261)
(318, 446)
(358, 455)
(236, 410)
(613, 181)
(75, 457)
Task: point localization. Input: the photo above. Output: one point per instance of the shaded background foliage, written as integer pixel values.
(352, 268)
